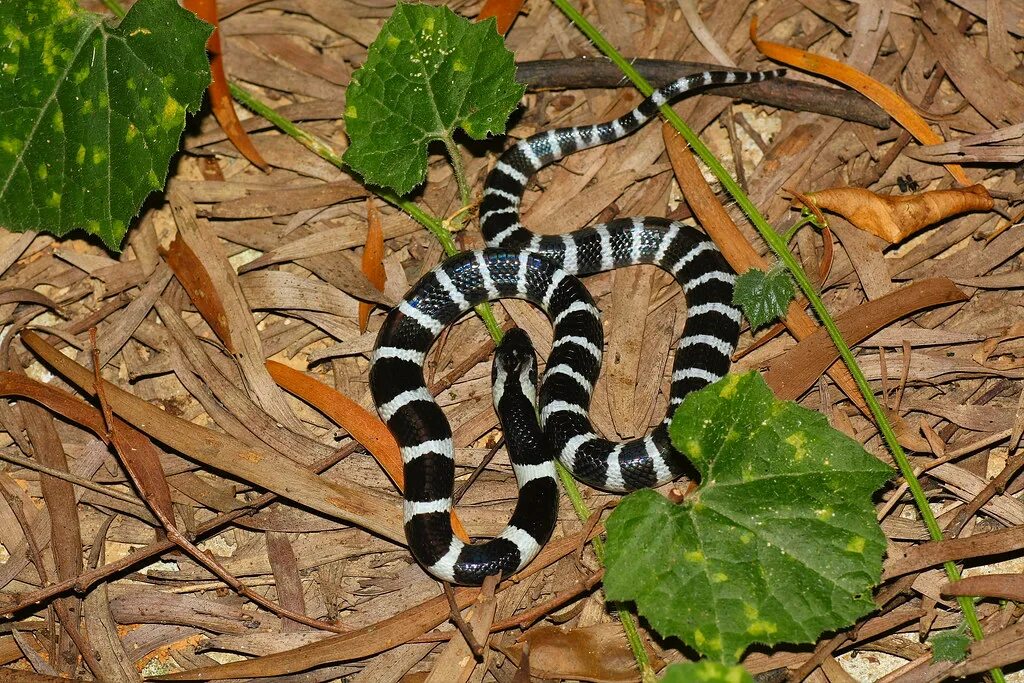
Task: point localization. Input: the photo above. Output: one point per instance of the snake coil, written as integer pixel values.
(519, 263)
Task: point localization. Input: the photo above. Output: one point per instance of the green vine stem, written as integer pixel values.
(579, 505)
(324, 150)
(778, 245)
(455, 154)
(809, 218)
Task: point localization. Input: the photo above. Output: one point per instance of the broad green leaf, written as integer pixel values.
(764, 297)
(949, 646)
(706, 671)
(92, 112)
(779, 543)
(428, 72)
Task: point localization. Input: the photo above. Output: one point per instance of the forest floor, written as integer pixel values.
(232, 267)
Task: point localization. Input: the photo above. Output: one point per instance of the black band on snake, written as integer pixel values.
(541, 269)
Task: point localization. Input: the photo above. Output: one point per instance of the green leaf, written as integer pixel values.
(763, 296)
(92, 113)
(779, 543)
(949, 646)
(428, 72)
(706, 671)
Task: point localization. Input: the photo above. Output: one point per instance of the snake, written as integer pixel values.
(544, 269)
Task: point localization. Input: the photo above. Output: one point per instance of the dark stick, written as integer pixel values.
(590, 72)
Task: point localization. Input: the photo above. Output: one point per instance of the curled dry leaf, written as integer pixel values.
(1004, 586)
(894, 218)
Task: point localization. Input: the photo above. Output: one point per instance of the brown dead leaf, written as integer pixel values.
(884, 97)
(1003, 586)
(627, 320)
(339, 498)
(373, 258)
(896, 217)
(364, 427)
(199, 287)
(504, 11)
(220, 96)
(12, 295)
(915, 558)
(794, 372)
(596, 653)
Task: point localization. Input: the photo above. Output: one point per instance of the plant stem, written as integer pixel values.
(455, 154)
(804, 220)
(579, 505)
(779, 246)
(636, 645)
(324, 150)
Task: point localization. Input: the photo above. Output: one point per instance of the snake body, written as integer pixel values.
(542, 269)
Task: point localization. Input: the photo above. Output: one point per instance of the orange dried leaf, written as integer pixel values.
(504, 11)
(373, 258)
(220, 96)
(878, 93)
(198, 284)
(894, 218)
(364, 427)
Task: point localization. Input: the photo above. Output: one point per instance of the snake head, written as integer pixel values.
(515, 362)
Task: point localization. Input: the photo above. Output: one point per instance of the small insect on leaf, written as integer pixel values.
(778, 544)
(949, 646)
(428, 72)
(763, 296)
(92, 113)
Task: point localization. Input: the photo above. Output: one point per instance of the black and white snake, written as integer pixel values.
(541, 269)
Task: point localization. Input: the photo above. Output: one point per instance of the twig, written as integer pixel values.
(786, 93)
(524, 619)
(465, 629)
(479, 468)
(82, 582)
(30, 464)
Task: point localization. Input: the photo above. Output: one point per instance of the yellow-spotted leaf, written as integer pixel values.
(705, 671)
(92, 111)
(778, 544)
(428, 72)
